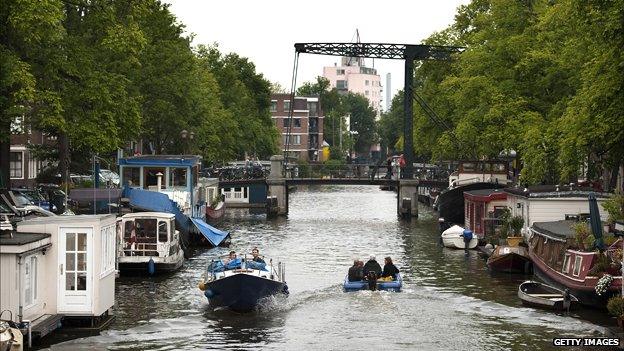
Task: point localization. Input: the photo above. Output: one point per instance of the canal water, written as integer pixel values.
(449, 300)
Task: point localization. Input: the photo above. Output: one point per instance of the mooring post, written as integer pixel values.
(408, 198)
(277, 200)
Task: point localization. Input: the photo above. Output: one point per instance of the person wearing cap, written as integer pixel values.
(356, 272)
(372, 267)
(390, 270)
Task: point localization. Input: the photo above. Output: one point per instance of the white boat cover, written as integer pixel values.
(453, 231)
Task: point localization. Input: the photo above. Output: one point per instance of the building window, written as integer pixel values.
(33, 167)
(366, 93)
(30, 280)
(286, 105)
(273, 106)
(16, 165)
(341, 84)
(294, 140)
(366, 82)
(296, 122)
(313, 109)
(340, 72)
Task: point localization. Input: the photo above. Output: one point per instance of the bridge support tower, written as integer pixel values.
(277, 198)
(407, 202)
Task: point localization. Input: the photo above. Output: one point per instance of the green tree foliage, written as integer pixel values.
(540, 77)
(99, 74)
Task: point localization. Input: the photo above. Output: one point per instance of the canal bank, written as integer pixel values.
(450, 301)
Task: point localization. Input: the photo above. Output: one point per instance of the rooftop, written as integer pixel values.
(484, 192)
(555, 191)
(12, 238)
(557, 229)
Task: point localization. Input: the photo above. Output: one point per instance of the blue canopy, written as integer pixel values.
(212, 234)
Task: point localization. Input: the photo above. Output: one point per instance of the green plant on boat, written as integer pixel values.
(615, 207)
(583, 236)
(601, 265)
(615, 306)
(516, 223)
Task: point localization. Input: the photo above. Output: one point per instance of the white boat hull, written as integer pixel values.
(458, 242)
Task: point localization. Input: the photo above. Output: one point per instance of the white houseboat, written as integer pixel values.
(544, 203)
(148, 243)
(60, 267)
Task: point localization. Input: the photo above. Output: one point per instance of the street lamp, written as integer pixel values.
(187, 137)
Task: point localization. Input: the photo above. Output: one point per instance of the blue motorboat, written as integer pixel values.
(390, 285)
(242, 284)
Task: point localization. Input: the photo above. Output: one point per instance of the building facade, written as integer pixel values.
(23, 165)
(353, 76)
(306, 132)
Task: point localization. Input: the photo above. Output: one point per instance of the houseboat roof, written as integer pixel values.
(12, 238)
(555, 229)
(555, 191)
(149, 214)
(161, 160)
(67, 219)
(485, 195)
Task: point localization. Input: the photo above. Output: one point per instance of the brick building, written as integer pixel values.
(23, 166)
(307, 125)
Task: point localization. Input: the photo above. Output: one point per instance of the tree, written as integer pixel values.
(362, 121)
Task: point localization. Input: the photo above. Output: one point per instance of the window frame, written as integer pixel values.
(11, 162)
(566, 263)
(577, 265)
(30, 278)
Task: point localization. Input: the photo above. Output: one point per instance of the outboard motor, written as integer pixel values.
(372, 280)
(567, 300)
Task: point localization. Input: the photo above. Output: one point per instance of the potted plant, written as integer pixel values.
(515, 224)
(615, 306)
(583, 236)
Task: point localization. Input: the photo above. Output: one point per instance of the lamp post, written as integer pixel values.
(186, 137)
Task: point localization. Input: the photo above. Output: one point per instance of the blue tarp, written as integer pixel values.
(214, 235)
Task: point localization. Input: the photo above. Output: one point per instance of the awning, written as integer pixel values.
(212, 234)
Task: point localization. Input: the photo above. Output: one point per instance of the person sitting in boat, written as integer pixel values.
(390, 270)
(371, 267)
(256, 255)
(232, 262)
(356, 272)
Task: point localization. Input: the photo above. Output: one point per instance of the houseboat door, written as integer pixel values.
(75, 269)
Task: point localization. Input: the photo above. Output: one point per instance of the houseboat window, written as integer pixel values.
(76, 261)
(145, 230)
(30, 280)
(173, 226)
(195, 175)
(108, 249)
(128, 228)
(566, 263)
(162, 232)
(132, 176)
(577, 266)
(151, 177)
(177, 177)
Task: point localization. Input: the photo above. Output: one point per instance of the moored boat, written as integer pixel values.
(215, 213)
(242, 284)
(148, 243)
(387, 285)
(558, 261)
(510, 259)
(453, 238)
(537, 294)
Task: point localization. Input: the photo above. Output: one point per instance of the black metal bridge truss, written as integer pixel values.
(407, 52)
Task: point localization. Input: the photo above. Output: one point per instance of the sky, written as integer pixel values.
(266, 31)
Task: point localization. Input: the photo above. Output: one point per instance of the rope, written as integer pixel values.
(293, 86)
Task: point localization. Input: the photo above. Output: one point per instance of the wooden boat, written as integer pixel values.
(557, 264)
(216, 213)
(510, 259)
(390, 285)
(545, 296)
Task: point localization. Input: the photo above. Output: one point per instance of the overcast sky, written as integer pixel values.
(265, 31)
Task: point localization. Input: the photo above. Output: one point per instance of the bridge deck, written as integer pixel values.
(330, 181)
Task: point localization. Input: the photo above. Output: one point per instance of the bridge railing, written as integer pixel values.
(348, 171)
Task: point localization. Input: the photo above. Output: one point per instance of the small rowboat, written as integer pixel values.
(213, 214)
(545, 296)
(390, 285)
(510, 259)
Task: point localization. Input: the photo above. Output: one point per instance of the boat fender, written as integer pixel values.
(209, 293)
(151, 266)
(201, 286)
